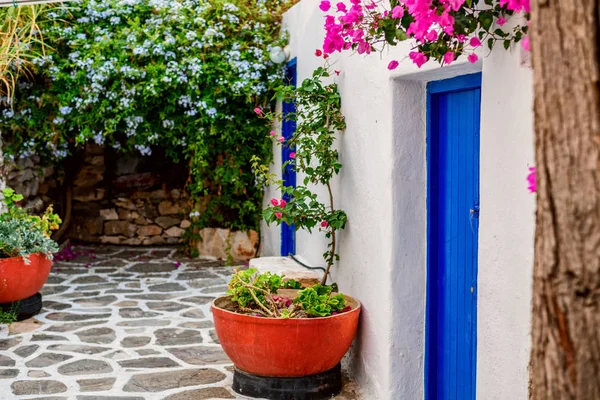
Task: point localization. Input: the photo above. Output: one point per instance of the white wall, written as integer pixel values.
(382, 187)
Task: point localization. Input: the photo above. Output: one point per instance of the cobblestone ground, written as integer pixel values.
(122, 324)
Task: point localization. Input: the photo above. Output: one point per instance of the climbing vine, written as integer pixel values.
(137, 75)
(318, 120)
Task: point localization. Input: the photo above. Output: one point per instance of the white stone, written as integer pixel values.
(185, 224)
(286, 266)
(109, 214)
(174, 231)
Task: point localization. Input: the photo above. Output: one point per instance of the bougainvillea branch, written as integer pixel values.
(441, 30)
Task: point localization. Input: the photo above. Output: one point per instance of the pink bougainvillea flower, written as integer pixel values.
(525, 43)
(278, 215)
(461, 38)
(397, 12)
(337, 72)
(475, 42)
(272, 133)
(325, 55)
(364, 47)
(318, 53)
(281, 139)
(516, 5)
(293, 154)
(455, 4)
(501, 21)
(258, 111)
(472, 58)
(275, 202)
(324, 224)
(325, 6)
(341, 7)
(371, 6)
(282, 203)
(393, 65)
(448, 57)
(531, 180)
(431, 36)
(418, 58)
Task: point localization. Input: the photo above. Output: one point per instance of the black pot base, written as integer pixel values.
(312, 387)
(25, 308)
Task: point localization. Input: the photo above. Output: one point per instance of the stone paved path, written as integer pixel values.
(123, 324)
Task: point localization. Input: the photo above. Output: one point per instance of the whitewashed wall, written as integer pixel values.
(382, 187)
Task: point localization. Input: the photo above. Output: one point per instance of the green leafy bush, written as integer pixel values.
(257, 294)
(139, 74)
(22, 234)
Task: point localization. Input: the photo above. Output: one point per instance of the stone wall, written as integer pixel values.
(126, 200)
(37, 185)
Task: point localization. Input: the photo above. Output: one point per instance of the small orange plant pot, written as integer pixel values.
(19, 280)
(276, 347)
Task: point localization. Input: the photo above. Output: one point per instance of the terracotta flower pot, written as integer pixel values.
(284, 347)
(18, 280)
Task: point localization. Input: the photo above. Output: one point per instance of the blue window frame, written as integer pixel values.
(288, 232)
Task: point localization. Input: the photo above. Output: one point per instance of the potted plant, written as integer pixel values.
(25, 255)
(286, 343)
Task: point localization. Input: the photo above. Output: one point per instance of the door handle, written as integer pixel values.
(474, 212)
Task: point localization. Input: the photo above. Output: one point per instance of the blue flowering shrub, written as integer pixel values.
(184, 75)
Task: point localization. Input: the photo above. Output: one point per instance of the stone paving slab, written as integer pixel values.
(123, 324)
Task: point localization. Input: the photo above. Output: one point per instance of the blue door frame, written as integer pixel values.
(453, 110)
(288, 232)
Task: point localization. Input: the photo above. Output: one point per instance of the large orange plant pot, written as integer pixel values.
(19, 281)
(284, 347)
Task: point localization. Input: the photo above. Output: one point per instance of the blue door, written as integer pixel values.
(453, 108)
(288, 232)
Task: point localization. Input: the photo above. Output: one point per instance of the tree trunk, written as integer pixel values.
(565, 354)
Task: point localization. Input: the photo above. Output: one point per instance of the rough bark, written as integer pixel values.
(565, 355)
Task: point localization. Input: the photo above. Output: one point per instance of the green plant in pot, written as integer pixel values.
(25, 254)
(271, 327)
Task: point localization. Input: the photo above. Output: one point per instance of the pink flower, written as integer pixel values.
(341, 7)
(393, 65)
(272, 133)
(281, 139)
(318, 53)
(472, 58)
(501, 21)
(474, 42)
(461, 38)
(337, 72)
(448, 57)
(431, 36)
(293, 154)
(364, 47)
(455, 4)
(282, 203)
(525, 43)
(397, 12)
(418, 58)
(258, 111)
(275, 202)
(532, 181)
(371, 6)
(278, 215)
(325, 6)
(324, 224)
